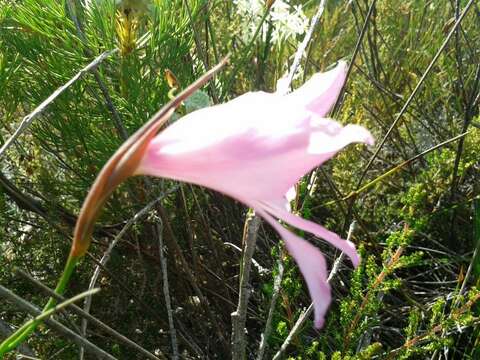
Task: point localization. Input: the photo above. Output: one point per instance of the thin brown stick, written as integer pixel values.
(252, 224)
(166, 290)
(268, 325)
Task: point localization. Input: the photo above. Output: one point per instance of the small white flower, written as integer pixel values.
(136, 6)
(287, 21)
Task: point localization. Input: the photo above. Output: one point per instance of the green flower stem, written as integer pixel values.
(171, 93)
(47, 313)
(29, 327)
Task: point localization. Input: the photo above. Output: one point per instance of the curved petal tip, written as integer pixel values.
(312, 265)
(321, 91)
(344, 245)
(357, 133)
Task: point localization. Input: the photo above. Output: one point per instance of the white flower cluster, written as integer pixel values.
(137, 6)
(287, 21)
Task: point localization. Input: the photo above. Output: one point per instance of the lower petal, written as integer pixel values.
(312, 265)
(345, 246)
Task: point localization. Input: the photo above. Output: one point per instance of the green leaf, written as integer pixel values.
(198, 100)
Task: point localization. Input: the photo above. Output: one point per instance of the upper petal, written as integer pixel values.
(320, 93)
(246, 159)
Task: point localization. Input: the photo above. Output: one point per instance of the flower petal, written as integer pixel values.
(254, 160)
(329, 136)
(312, 265)
(319, 93)
(346, 246)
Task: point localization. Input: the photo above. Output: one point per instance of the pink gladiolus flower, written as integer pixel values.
(254, 149)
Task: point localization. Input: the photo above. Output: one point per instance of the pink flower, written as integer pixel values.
(254, 149)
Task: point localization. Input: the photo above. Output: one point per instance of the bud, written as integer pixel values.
(171, 79)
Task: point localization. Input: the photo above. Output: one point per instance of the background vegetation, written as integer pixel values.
(414, 295)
